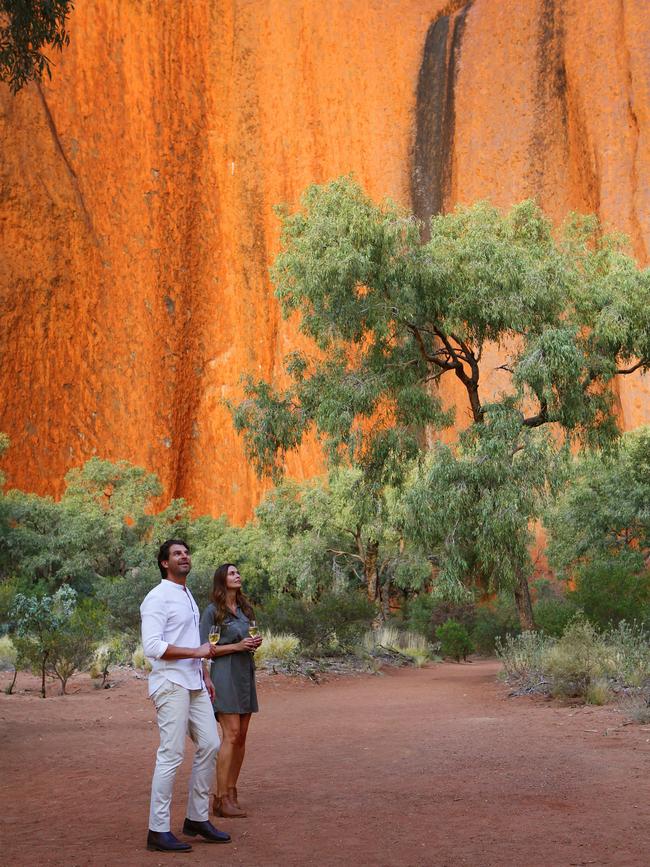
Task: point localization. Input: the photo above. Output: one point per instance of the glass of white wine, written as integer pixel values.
(253, 630)
(214, 635)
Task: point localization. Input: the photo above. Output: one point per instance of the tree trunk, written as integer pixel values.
(524, 604)
(43, 675)
(370, 570)
(385, 599)
(10, 688)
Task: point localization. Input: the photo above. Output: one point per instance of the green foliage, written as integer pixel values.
(628, 653)
(214, 541)
(331, 533)
(603, 515)
(523, 657)
(5, 442)
(122, 595)
(101, 527)
(27, 27)
(553, 614)
(472, 505)
(454, 640)
(577, 659)
(72, 648)
(609, 593)
(54, 635)
(494, 621)
(581, 663)
(334, 623)
(390, 315)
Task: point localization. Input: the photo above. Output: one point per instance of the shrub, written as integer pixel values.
(494, 621)
(552, 615)
(277, 646)
(577, 659)
(628, 646)
(609, 592)
(524, 656)
(55, 636)
(334, 623)
(454, 640)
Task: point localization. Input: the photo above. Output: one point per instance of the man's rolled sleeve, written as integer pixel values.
(154, 618)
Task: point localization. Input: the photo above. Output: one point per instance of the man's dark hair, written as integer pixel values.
(163, 552)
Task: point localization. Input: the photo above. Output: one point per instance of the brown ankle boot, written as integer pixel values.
(216, 805)
(229, 810)
(232, 794)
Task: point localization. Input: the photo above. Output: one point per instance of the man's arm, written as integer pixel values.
(154, 618)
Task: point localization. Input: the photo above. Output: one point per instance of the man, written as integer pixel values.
(183, 700)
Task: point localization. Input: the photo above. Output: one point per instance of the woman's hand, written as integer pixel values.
(247, 644)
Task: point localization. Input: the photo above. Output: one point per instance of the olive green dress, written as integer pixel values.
(233, 674)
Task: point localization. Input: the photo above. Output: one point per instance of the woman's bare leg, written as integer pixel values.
(230, 729)
(239, 750)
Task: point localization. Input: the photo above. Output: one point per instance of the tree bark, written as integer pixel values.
(524, 604)
(370, 570)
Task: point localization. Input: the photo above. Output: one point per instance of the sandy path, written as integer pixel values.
(429, 767)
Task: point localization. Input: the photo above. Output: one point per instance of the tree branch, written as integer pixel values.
(631, 369)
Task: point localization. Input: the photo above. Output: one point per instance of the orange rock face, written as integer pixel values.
(137, 188)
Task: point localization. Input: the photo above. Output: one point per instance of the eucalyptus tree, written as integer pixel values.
(27, 29)
(336, 533)
(395, 321)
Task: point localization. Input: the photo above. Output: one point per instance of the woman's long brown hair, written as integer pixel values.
(219, 595)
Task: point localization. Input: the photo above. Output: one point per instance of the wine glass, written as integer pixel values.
(253, 630)
(214, 635)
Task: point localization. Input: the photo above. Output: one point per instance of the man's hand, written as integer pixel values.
(205, 651)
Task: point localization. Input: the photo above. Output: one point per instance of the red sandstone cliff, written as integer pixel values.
(136, 193)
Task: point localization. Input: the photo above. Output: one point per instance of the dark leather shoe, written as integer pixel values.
(164, 841)
(206, 830)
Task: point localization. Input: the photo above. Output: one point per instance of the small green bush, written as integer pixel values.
(577, 659)
(454, 640)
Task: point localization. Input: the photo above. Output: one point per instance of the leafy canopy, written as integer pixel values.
(603, 516)
(391, 317)
(26, 28)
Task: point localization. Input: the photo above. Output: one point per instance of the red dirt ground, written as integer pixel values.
(426, 767)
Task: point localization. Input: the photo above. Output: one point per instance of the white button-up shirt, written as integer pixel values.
(170, 616)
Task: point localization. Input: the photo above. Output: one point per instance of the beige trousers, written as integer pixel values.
(183, 712)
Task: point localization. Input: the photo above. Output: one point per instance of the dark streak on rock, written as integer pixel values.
(551, 113)
(435, 116)
(74, 181)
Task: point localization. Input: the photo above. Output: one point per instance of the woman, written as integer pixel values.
(233, 676)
